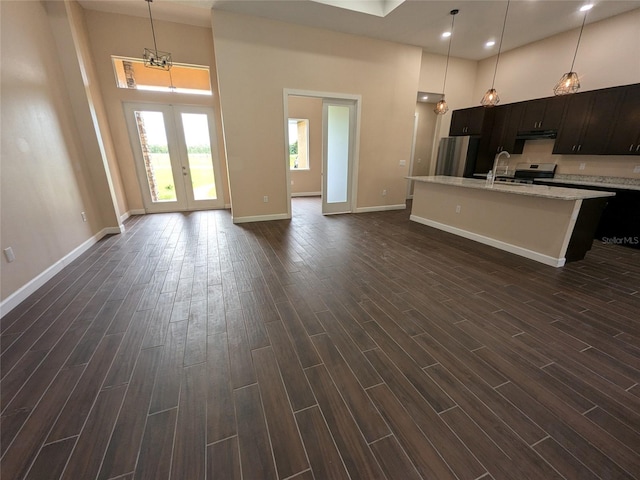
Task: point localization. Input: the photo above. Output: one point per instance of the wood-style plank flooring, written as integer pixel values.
(352, 346)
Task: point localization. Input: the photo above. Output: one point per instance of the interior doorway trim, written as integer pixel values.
(356, 149)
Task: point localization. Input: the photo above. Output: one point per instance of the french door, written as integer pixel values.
(338, 123)
(176, 156)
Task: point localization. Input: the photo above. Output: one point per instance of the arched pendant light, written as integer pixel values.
(491, 98)
(153, 57)
(570, 83)
(441, 106)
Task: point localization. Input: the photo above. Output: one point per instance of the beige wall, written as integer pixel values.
(112, 34)
(609, 55)
(97, 128)
(47, 176)
(308, 181)
(427, 124)
(258, 58)
(461, 78)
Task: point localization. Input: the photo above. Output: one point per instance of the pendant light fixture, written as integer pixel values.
(570, 83)
(155, 58)
(491, 98)
(441, 106)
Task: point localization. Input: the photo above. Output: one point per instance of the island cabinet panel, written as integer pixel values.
(625, 131)
(542, 114)
(469, 121)
(587, 122)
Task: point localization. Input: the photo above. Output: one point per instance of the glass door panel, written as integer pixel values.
(155, 154)
(338, 125)
(176, 156)
(198, 144)
(337, 172)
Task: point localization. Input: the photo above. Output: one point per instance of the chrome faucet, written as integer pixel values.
(497, 159)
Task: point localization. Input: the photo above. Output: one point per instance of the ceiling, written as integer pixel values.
(413, 22)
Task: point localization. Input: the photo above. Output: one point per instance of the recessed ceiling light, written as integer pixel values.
(584, 8)
(446, 34)
(425, 97)
(490, 43)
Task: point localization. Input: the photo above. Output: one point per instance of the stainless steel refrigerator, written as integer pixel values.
(457, 156)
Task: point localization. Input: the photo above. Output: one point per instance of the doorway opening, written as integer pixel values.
(425, 132)
(333, 145)
(176, 157)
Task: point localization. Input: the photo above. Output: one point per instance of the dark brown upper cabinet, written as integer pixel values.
(542, 114)
(469, 121)
(505, 127)
(625, 132)
(587, 122)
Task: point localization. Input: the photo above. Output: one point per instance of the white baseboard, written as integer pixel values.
(492, 242)
(306, 194)
(113, 230)
(262, 218)
(381, 208)
(137, 211)
(17, 297)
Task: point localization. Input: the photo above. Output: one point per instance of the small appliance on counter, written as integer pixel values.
(527, 172)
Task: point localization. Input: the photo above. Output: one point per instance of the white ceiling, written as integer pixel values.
(414, 22)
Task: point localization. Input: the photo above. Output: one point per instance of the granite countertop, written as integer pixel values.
(593, 181)
(545, 191)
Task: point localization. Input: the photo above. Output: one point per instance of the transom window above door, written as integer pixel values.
(298, 144)
(132, 74)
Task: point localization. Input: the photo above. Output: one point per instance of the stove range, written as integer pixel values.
(526, 173)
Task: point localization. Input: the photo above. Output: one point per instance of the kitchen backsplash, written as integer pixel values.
(539, 151)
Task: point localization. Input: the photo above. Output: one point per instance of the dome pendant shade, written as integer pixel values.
(569, 83)
(441, 107)
(490, 99)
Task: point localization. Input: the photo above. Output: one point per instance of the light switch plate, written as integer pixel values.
(636, 169)
(403, 163)
(9, 255)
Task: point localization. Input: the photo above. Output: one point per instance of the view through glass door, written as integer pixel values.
(338, 118)
(176, 157)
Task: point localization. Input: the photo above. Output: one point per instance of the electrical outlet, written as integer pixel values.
(8, 253)
(265, 199)
(384, 193)
(403, 163)
(84, 216)
(636, 169)
(419, 160)
(458, 208)
(582, 166)
(291, 182)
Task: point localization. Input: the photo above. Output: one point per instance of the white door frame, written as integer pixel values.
(356, 147)
(412, 159)
(177, 150)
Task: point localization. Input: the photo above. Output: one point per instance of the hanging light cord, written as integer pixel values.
(153, 32)
(500, 46)
(579, 38)
(446, 68)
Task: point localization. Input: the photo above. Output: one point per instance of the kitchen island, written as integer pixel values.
(551, 225)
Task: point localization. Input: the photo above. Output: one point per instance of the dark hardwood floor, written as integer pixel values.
(352, 346)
